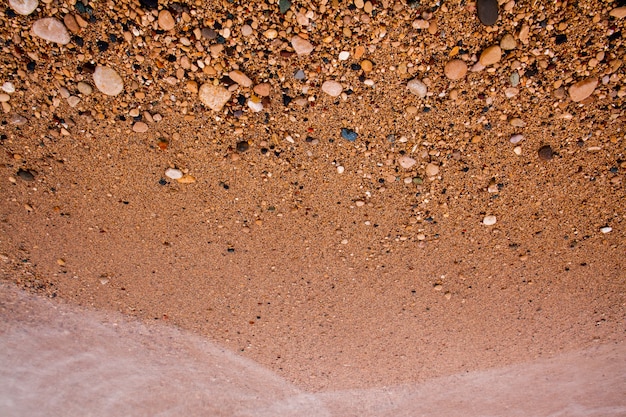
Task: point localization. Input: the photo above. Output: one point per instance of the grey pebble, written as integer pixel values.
(26, 175)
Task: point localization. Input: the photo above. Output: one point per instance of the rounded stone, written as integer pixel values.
(332, 88)
(301, 45)
(263, 89)
(240, 78)
(140, 127)
(24, 7)
(489, 220)
(487, 11)
(455, 69)
(582, 89)
(173, 173)
(406, 162)
(166, 21)
(214, 96)
(51, 30)
(491, 55)
(545, 153)
(84, 88)
(108, 81)
(508, 42)
(417, 87)
(432, 170)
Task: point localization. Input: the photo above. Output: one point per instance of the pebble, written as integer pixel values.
(8, 87)
(545, 153)
(455, 69)
(606, 229)
(262, 89)
(489, 220)
(255, 106)
(70, 22)
(618, 12)
(344, 55)
(84, 88)
(517, 138)
(517, 150)
(246, 30)
(240, 78)
(332, 88)
(301, 46)
(108, 81)
(25, 175)
(491, 55)
(73, 101)
(166, 21)
(242, 146)
(487, 11)
(173, 173)
(214, 96)
(432, 170)
(140, 127)
(517, 122)
(24, 7)
(340, 169)
(4, 98)
(508, 42)
(299, 75)
(406, 162)
(582, 89)
(349, 134)
(417, 87)
(367, 65)
(51, 30)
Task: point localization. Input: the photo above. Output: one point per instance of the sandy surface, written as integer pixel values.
(321, 258)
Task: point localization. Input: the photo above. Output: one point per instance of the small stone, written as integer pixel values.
(18, 119)
(508, 42)
(344, 55)
(173, 173)
(340, 169)
(487, 11)
(432, 170)
(186, 179)
(108, 81)
(491, 55)
(406, 162)
(70, 22)
(246, 30)
(73, 101)
(582, 89)
(284, 5)
(8, 87)
(51, 30)
(24, 7)
(489, 220)
(255, 105)
(517, 138)
(606, 229)
(4, 98)
(618, 12)
(545, 153)
(349, 134)
(262, 89)
(417, 87)
(420, 24)
(299, 75)
(455, 69)
(332, 88)
(517, 122)
(301, 45)
(270, 34)
(243, 146)
(214, 96)
(517, 150)
(84, 88)
(140, 127)
(25, 175)
(367, 65)
(240, 78)
(166, 21)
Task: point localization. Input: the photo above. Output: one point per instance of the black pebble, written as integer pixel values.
(243, 146)
(149, 4)
(25, 175)
(102, 46)
(487, 11)
(545, 153)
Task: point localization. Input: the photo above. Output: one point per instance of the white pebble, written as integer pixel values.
(301, 45)
(606, 229)
(173, 173)
(214, 96)
(255, 106)
(417, 87)
(108, 81)
(517, 138)
(517, 150)
(489, 220)
(344, 55)
(340, 169)
(406, 162)
(8, 87)
(332, 88)
(24, 7)
(246, 30)
(51, 30)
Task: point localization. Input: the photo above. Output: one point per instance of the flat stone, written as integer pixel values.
(455, 69)
(508, 42)
(487, 11)
(214, 96)
(240, 78)
(491, 55)
(618, 12)
(432, 170)
(417, 87)
(140, 127)
(166, 21)
(262, 89)
(84, 88)
(51, 30)
(516, 138)
(517, 122)
(108, 81)
(332, 88)
(406, 162)
(8, 87)
(582, 89)
(301, 45)
(23, 7)
(489, 220)
(4, 98)
(73, 101)
(70, 22)
(173, 173)
(25, 175)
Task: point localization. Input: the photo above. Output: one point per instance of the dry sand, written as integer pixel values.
(322, 258)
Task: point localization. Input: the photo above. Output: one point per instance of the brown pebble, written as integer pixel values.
(491, 55)
(455, 69)
(166, 21)
(140, 127)
(262, 89)
(487, 11)
(545, 153)
(70, 22)
(582, 89)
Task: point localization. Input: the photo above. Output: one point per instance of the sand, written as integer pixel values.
(317, 255)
